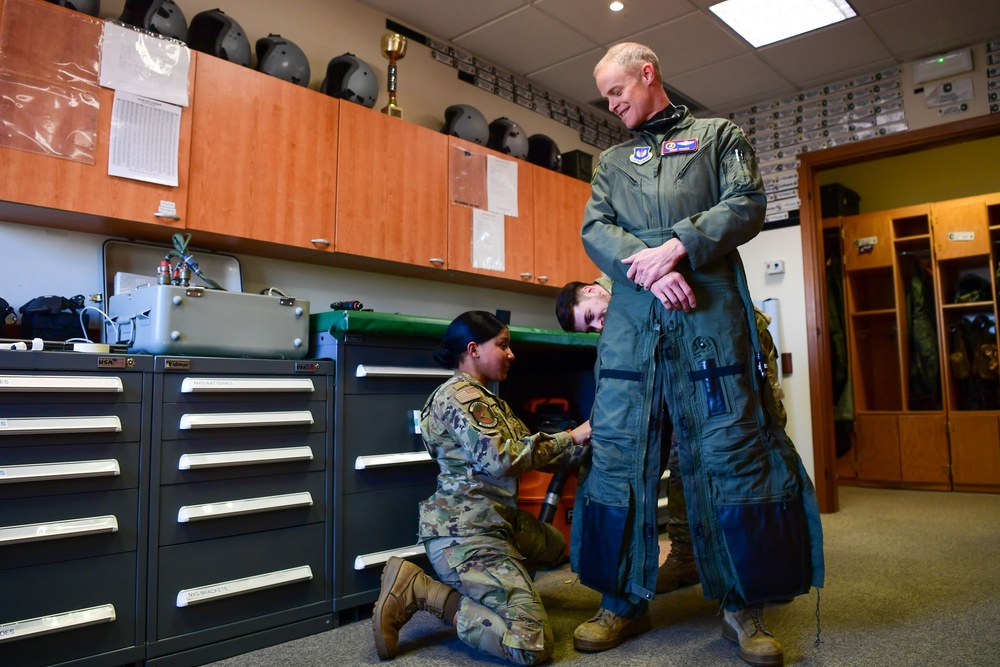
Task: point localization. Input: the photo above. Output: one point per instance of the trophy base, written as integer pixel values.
(393, 110)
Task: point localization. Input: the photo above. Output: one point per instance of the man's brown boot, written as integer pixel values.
(605, 630)
(405, 590)
(757, 645)
(679, 570)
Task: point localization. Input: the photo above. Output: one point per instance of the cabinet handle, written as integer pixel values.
(225, 589)
(386, 460)
(66, 620)
(525, 275)
(167, 216)
(437, 260)
(365, 561)
(58, 383)
(244, 457)
(40, 472)
(56, 530)
(244, 419)
(322, 242)
(243, 506)
(401, 371)
(543, 279)
(221, 385)
(19, 425)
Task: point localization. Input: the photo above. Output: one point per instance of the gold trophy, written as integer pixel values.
(393, 49)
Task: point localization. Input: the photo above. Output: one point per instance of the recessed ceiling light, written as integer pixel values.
(763, 22)
(616, 6)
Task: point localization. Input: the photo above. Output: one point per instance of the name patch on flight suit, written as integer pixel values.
(641, 155)
(482, 414)
(679, 146)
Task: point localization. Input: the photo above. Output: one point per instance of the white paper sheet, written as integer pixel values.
(488, 244)
(144, 64)
(501, 186)
(145, 139)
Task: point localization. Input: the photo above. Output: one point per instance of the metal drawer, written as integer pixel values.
(191, 512)
(104, 585)
(369, 525)
(35, 424)
(48, 471)
(62, 387)
(53, 528)
(219, 583)
(390, 370)
(227, 387)
(247, 418)
(184, 461)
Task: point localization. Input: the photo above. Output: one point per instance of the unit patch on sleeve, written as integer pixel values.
(679, 146)
(482, 414)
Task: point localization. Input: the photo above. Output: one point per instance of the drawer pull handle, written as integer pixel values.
(384, 460)
(243, 457)
(67, 620)
(244, 506)
(366, 561)
(225, 589)
(225, 385)
(55, 530)
(19, 425)
(57, 383)
(245, 419)
(401, 371)
(40, 472)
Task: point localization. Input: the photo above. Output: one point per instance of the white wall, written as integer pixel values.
(789, 288)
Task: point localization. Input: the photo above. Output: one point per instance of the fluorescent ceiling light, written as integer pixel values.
(762, 22)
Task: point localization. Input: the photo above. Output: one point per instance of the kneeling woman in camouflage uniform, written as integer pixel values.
(481, 546)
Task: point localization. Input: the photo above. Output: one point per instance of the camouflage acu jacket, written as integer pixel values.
(482, 448)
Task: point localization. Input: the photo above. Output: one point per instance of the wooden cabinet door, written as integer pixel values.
(878, 447)
(923, 450)
(975, 450)
(559, 205)
(392, 190)
(263, 158)
(467, 167)
(960, 229)
(867, 241)
(45, 181)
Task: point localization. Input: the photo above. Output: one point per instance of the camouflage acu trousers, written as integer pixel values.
(501, 613)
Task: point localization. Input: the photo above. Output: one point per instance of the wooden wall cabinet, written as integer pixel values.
(467, 167)
(77, 188)
(264, 156)
(559, 205)
(392, 190)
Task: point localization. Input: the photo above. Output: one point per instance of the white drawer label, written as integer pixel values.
(961, 236)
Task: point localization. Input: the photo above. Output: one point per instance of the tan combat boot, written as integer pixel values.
(679, 570)
(405, 590)
(605, 630)
(757, 645)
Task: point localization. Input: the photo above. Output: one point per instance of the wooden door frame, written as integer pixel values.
(818, 342)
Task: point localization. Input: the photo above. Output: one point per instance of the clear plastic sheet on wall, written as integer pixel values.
(49, 72)
(467, 177)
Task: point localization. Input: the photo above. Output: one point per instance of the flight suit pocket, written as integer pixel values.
(710, 378)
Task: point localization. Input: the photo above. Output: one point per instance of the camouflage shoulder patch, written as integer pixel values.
(482, 414)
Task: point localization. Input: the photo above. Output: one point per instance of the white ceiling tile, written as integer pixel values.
(444, 19)
(926, 27)
(525, 41)
(690, 43)
(593, 19)
(741, 78)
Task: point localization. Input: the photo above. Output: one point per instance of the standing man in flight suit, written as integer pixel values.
(667, 212)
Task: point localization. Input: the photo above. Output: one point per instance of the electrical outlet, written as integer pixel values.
(774, 266)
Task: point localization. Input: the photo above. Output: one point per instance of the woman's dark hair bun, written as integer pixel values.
(476, 326)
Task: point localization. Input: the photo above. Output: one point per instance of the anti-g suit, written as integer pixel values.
(751, 507)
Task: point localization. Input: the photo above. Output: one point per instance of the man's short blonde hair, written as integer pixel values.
(630, 57)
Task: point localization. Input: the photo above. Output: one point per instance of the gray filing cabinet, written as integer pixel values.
(381, 468)
(74, 457)
(240, 535)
